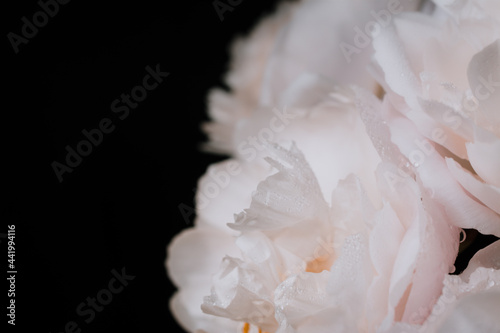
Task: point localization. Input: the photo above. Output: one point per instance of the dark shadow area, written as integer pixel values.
(116, 208)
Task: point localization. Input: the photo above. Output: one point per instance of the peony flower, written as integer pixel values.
(441, 75)
(308, 265)
(355, 226)
(234, 182)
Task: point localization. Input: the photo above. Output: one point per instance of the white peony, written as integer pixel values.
(355, 226)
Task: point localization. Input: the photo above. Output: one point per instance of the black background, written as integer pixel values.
(119, 207)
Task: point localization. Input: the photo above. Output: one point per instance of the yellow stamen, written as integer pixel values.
(320, 264)
(246, 328)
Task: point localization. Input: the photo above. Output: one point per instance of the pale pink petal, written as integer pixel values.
(489, 257)
(399, 190)
(475, 313)
(371, 112)
(196, 253)
(431, 168)
(452, 130)
(385, 241)
(437, 255)
(332, 297)
(226, 189)
(288, 197)
(226, 111)
(260, 250)
(193, 256)
(486, 193)
(481, 277)
(484, 155)
(301, 49)
(349, 281)
(299, 292)
(425, 254)
(399, 53)
(185, 306)
(249, 57)
(242, 292)
(484, 80)
(316, 106)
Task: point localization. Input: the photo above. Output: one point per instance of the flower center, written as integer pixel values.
(320, 264)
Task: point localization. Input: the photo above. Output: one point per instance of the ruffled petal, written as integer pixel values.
(299, 292)
(241, 291)
(331, 298)
(431, 168)
(286, 198)
(225, 189)
(486, 193)
(385, 241)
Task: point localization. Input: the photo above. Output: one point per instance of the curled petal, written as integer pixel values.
(486, 193)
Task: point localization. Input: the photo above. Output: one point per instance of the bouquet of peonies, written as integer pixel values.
(364, 137)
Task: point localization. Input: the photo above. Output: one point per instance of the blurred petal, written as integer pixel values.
(475, 313)
(195, 254)
(224, 190)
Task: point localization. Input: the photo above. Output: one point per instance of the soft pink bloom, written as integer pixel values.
(340, 210)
